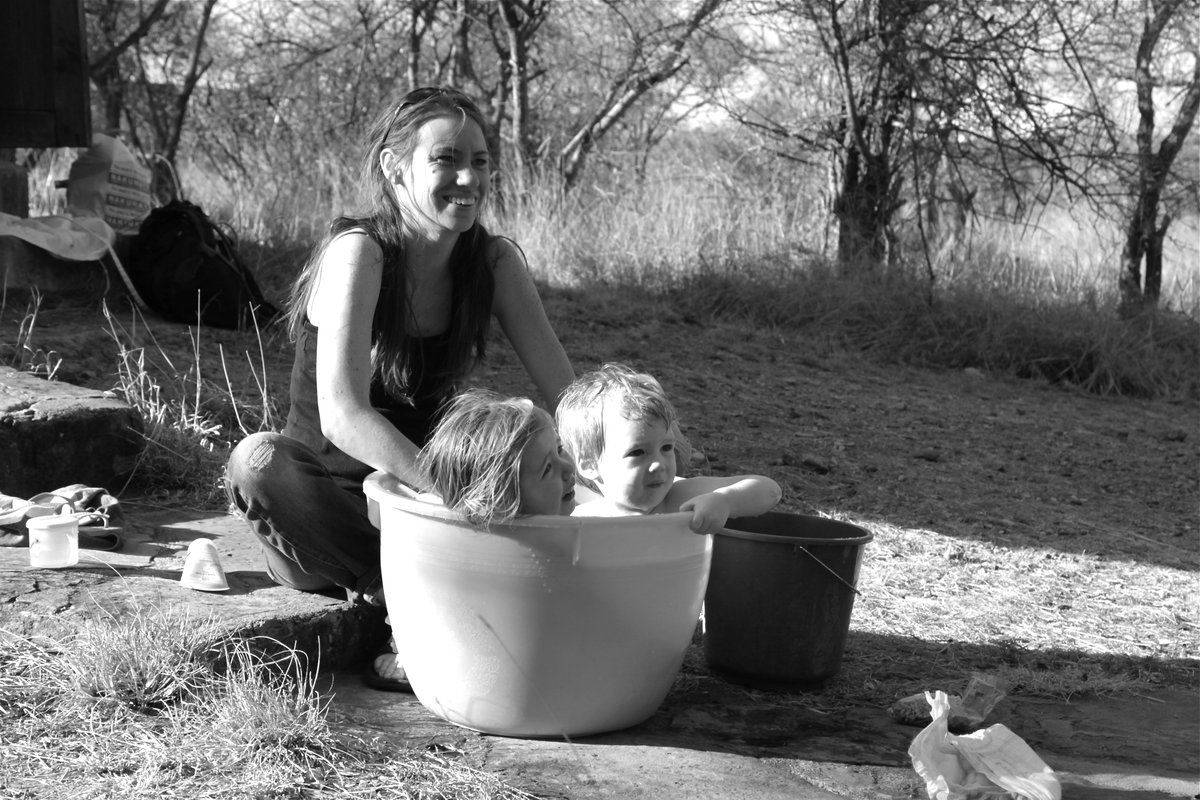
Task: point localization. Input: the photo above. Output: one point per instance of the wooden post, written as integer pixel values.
(14, 185)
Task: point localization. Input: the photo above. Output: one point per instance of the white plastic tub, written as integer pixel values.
(548, 626)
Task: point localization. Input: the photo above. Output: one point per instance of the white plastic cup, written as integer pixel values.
(53, 541)
(202, 569)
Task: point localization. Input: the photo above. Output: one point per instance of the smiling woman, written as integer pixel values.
(390, 315)
(445, 180)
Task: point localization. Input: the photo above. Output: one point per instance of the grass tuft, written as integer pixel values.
(160, 705)
(191, 421)
(897, 317)
(22, 355)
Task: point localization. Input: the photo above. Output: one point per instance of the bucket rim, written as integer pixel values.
(862, 538)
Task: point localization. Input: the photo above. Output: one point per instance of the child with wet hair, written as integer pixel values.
(494, 458)
(623, 433)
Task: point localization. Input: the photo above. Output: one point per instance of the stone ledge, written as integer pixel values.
(143, 577)
(54, 434)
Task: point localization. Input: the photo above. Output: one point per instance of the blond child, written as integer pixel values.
(495, 458)
(623, 434)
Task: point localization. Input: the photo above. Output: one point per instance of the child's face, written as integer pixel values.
(546, 476)
(637, 467)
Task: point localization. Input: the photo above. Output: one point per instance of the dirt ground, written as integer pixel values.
(982, 460)
(948, 468)
(1020, 462)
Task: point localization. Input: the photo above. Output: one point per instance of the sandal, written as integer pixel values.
(386, 679)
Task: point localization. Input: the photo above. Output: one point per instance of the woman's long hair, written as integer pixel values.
(385, 221)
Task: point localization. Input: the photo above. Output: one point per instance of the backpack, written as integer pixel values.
(187, 269)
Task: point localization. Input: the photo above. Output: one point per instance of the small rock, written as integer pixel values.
(928, 455)
(911, 710)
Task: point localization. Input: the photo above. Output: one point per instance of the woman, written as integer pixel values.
(390, 314)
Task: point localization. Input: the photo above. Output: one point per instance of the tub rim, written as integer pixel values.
(383, 488)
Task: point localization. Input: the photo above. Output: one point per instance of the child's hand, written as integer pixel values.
(710, 512)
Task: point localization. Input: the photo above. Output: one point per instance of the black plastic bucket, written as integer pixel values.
(779, 598)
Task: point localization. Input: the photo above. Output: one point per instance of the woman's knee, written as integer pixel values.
(259, 461)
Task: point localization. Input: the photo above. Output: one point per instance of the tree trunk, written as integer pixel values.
(518, 30)
(105, 68)
(1144, 239)
(863, 208)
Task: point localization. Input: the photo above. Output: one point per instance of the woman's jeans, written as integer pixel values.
(314, 530)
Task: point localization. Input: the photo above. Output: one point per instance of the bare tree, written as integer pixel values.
(166, 120)
(521, 20)
(653, 57)
(115, 28)
(1145, 228)
(420, 22)
(914, 91)
(145, 77)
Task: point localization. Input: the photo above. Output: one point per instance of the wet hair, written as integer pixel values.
(580, 413)
(395, 355)
(473, 456)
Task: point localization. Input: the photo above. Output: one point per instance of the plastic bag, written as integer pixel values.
(107, 182)
(989, 763)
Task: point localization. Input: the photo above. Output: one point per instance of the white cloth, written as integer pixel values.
(72, 238)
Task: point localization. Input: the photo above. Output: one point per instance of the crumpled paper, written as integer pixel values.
(989, 764)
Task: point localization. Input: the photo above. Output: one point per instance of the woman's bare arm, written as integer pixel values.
(522, 317)
(342, 308)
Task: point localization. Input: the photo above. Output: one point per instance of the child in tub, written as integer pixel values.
(623, 434)
(495, 458)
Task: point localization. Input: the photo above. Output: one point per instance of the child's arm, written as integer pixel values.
(714, 501)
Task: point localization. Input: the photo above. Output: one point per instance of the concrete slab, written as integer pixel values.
(145, 573)
(711, 739)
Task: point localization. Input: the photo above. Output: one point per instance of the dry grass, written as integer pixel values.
(1053, 624)
(160, 706)
(191, 419)
(899, 318)
(932, 612)
(23, 354)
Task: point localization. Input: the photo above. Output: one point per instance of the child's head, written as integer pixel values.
(494, 458)
(622, 432)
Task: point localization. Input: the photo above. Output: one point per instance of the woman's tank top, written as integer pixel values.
(413, 416)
